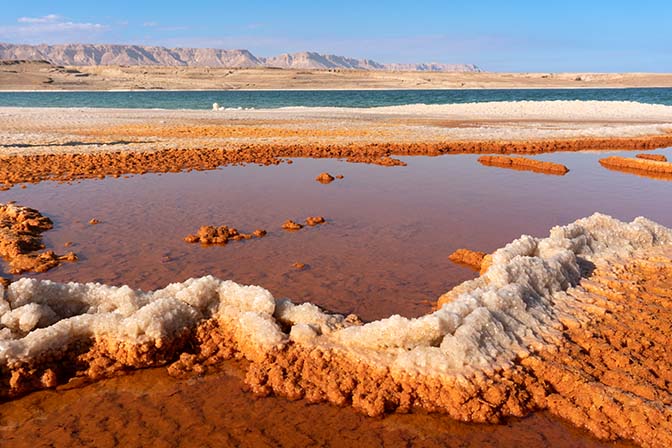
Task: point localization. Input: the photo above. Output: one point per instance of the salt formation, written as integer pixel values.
(21, 231)
(498, 346)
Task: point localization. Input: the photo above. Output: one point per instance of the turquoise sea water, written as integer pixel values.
(334, 98)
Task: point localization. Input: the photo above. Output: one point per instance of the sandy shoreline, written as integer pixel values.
(521, 86)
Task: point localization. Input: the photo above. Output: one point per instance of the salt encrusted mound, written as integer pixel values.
(486, 353)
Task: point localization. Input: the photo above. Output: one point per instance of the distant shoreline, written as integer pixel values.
(346, 89)
(30, 76)
(343, 89)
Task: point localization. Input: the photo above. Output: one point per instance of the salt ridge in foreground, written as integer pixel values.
(548, 326)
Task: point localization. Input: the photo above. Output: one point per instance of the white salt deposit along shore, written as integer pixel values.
(495, 318)
(576, 110)
(35, 130)
(452, 360)
(626, 111)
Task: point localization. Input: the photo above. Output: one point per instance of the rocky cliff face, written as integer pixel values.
(104, 54)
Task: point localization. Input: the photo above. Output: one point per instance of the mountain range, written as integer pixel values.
(106, 54)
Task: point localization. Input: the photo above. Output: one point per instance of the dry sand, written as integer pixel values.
(41, 76)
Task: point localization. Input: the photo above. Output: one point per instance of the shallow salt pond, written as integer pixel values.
(388, 235)
(384, 250)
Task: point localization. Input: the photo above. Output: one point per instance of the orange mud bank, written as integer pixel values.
(524, 164)
(656, 157)
(150, 408)
(16, 169)
(645, 167)
(610, 374)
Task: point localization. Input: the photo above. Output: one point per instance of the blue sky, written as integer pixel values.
(541, 36)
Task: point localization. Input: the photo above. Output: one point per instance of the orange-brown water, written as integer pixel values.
(149, 408)
(384, 250)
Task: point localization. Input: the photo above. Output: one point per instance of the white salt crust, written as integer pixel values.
(511, 310)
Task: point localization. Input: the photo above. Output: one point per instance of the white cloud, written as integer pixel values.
(44, 19)
(49, 28)
(150, 24)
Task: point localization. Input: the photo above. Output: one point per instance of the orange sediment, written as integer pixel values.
(656, 157)
(643, 167)
(325, 178)
(222, 131)
(315, 220)
(524, 164)
(17, 169)
(20, 240)
(291, 225)
(221, 235)
(470, 258)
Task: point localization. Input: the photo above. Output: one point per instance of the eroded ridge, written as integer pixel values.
(575, 323)
(525, 164)
(21, 231)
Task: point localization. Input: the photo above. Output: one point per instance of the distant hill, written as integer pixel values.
(104, 54)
